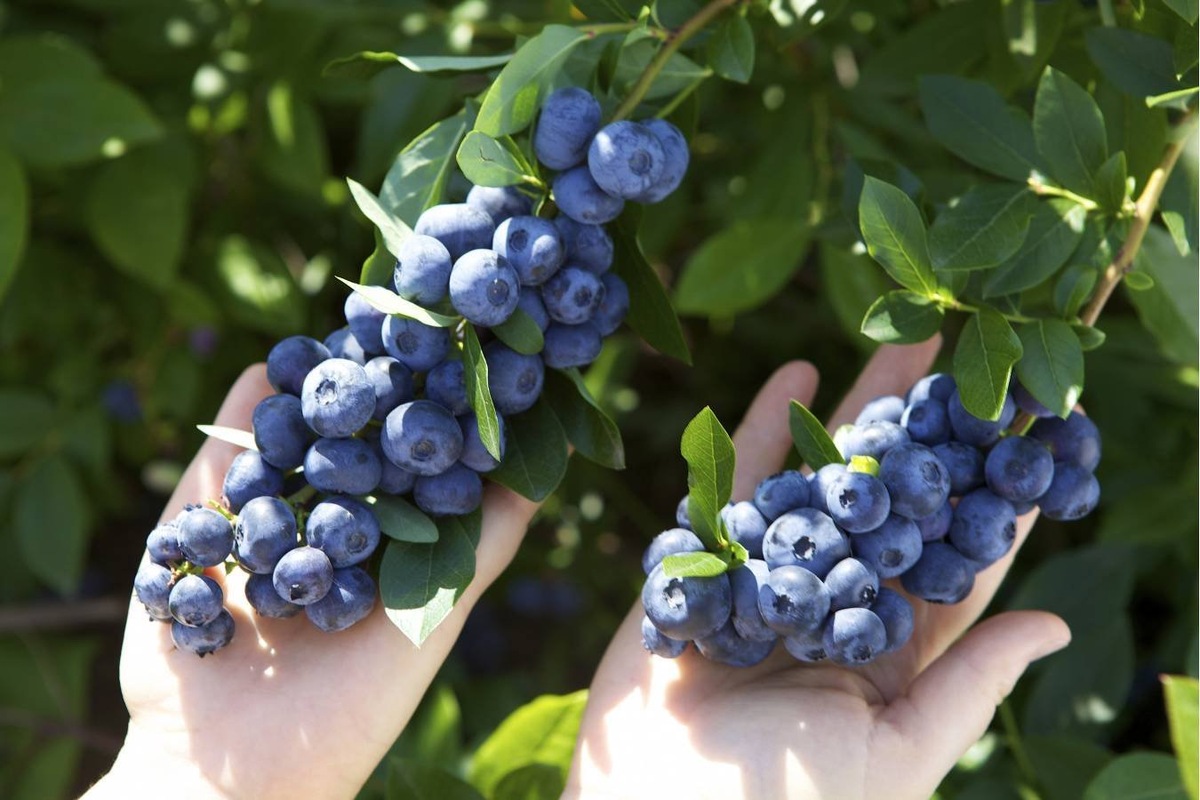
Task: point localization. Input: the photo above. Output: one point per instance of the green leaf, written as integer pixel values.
(1138, 281)
(985, 228)
(262, 292)
(710, 457)
(731, 49)
(411, 779)
(972, 121)
(650, 313)
(1073, 289)
(902, 317)
(14, 217)
(35, 58)
(417, 178)
(512, 101)
(535, 453)
(950, 39)
(295, 153)
(588, 428)
(402, 521)
(812, 441)
(1051, 366)
(50, 520)
(895, 235)
(983, 361)
(487, 162)
(1112, 187)
(1180, 206)
(1182, 698)
(694, 565)
(1136, 63)
(1069, 131)
(1170, 309)
(1089, 338)
(521, 333)
(1087, 586)
(389, 302)
(531, 782)
(1139, 776)
(479, 394)
(391, 227)
(852, 284)
(26, 418)
(1064, 765)
(540, 732)
(1188, 9)
(370, 63)
(380, 267)
(420, 583)
(1054, 232)
(677, 75)
(243, 439)
(741, 266)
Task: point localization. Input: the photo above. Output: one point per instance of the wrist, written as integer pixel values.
(147, 767)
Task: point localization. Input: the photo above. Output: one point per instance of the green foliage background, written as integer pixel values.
(172, 201)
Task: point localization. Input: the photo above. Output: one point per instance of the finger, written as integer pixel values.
(949, 706)
(762, 440)
(891, 370)
(506, 518)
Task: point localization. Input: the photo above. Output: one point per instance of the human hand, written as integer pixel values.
(284, 710)
(690, 727)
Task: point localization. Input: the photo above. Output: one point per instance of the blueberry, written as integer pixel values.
(569, 119)
(808, 647)
(896, 613)
(927, 422)
(793, 601)
(262, 597)
(675, 161)
(514, 379)
(614, 304)
(392, 382)
(265, 530)
(365, 322)
(725, 646)
(343, 529)
(857, 501)
(745, 582)
(854, 636)
(807, 538)
(280, 432)
(578, 196)
(342, 466)
(852, 583)
(964, 465)
(206, 638)
(686, 608)
(484, 287)
(422, 437)
(249, 477)
(531, 303)
(587, 246)
(1019, 468)
(338, 398)
(500, 202)
(888, 408)
(819, 483)
(163, 544)
(422, 272)
(937, 524)
(626, 159)
(983, 527)
(572, 295)
(916, 480)
(658, 643)
(418, 346)
(303, 575)
(291, 359)
(458, 490)
(348, 601)
(474, 454)
(393, 479)
(446, 385)
(1027, 402)
(532, 246)
(970, 429)
(205, 537)
(941, 575)
(195, 600)
(670, 542)
(1075, 439)
(681, 514)
(891, 548)
(342, 344)
(569, 346)
(152, 584)
(746, 526)
(1073, 493)
(460, 227)
(780, 493)
(873, 439)
(938, 386)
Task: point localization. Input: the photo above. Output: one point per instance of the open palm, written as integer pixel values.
(694, 728)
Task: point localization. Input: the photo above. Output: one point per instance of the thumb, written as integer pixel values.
(950, 704)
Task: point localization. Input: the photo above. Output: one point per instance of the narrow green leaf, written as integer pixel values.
(709, 453)
(1069, 131)
(1136, 63)
(369, 63)
(1051, 366)
(589, 429)
(478, 393)
(50, 520)
(1073, 289)
(420, 583)
(393, 229)
(1138, 281)
(1170, 309)
(902, 317)
(512, 100)
(812, 441)
(1112, 185)
(1176, 98)
(417, 178)
(380, 267)
(486, 162)
(650, 313)
(535, 453)
(389, 302)
(1139, 776)
(895, 235)
(14, 217)
(1055, 230)
(542, 731)
(1089, 338)
(678, 74)
(983, 361)
(413, 779)
(26, 418)
(731, 49)
(1182, 697)
(295, 149)
(694, 565)
(261, 291)
(741, 266)
(1180, 204)
(985, 228)
(243, 439)
(402, 521)
(521, 333)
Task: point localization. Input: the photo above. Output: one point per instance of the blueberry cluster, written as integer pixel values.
(931, 496)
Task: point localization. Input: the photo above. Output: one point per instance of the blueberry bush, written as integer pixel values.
(186, 183)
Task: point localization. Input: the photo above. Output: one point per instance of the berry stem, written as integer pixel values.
(301, 496)
(1047, 190)
(673, 42)
(1012, 733)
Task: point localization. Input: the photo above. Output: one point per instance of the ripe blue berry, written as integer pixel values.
(342, 344)
(532, 246)
(854, 636)
(393, 384)
(578, 196)
(514, 379)
(587, 246)
(569, 119)
(725, 646)
(303, 576)
(780, 493)
(1075, 439)
(265, 530)
(852, 583)
(458, 226)
(418, 346)
(500, 202)
(343, 529)
(793, 601)
(248, 477)
(888, 408)
(457, 490)
(746, 526)
(205, 537)
(280, 432)
(626, 159)
(342, 466)
(262, 597)
(938, 386)
(569, 346)
(891, 548)
(941, 575)
(964, 465)
(807, 538)
(614, 304)
(873, 439)
(819, 483)
(195, 600)
(896, 613)
(686, 608)
(291, 359)
(745, 582)
(163, 543)
(422, 437)
(349, 600)
(916, 480)
(1019, 469)
(338, 398)
(474, 454)
(937, 524)
(659, 644)
(152, 584)
(572, 295)
(927, 422)
(983, 527)
(971, 429)
(1073, 493)
(531, 303)
(675, 161)
(365, 322)
(857, 501)
(484, 287)
(422, 271)
(670, 542)
(204, 639)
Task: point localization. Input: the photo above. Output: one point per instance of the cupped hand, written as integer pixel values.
(284, 710)
(689, 727)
